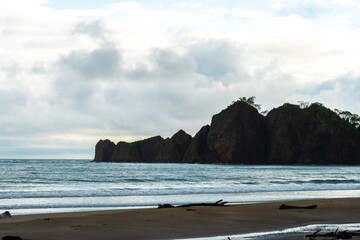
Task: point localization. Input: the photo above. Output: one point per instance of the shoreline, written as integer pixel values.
(180, 223)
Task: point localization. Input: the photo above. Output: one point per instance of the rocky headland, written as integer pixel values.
(239, 134)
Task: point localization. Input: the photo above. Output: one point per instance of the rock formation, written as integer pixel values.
(240, 135)
(152, 150)
(314, 135)
(237, 135)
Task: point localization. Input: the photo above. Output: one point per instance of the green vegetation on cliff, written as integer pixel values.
(135, 144)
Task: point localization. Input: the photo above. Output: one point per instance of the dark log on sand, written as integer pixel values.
(12, 238)
(284, 206)
(165, 205)
(219, 203)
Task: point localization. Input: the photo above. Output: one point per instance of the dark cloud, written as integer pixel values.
(94, 29)
(215, 58)
(80, 74)
(140, 71)
(169, 96)
(164, 63)
(169, 62)
(158, 96)
(101, 63)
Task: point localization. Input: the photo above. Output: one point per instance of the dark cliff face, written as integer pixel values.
(104, 150)
(139, 151)
(240, 135)
(152, 150)
(314, 135)
(174, 148)
(197, 151)
(237, 135)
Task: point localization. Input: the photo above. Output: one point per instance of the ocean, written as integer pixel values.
(48, 186)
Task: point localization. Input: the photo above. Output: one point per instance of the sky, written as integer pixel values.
(74, 72)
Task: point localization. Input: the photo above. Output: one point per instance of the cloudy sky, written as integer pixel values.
(74, 72)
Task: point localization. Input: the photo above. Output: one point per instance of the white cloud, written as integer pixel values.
(239, 13)
(345, 3)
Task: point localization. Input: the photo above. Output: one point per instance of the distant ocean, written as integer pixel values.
(47, 186)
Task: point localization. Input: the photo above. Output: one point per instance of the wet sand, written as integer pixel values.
(175, 223)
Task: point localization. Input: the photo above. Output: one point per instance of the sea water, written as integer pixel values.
(44, 186)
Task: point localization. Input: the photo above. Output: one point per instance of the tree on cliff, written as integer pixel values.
(352, 118)
(250, 101)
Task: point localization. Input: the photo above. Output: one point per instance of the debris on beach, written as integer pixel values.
(219, 203)
(333, 235)
(284, 206)
(166, 205)
(12, 238)
(5, 214)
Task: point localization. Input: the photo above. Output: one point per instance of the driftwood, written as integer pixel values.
(12, 238)
(332, 235)
(284, 206)
(219, 203)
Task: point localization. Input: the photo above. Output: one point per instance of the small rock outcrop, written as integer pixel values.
(240, 135)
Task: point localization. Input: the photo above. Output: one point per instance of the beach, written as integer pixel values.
(175, 223)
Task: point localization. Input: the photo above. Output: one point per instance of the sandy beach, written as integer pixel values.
(179, 222)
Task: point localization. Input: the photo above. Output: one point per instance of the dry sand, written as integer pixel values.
(179, 222)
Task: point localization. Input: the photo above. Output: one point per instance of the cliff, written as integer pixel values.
(152, 150)
(314, 135)
(240, 135)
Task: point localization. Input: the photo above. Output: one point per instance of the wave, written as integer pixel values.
(318, 181)
(72, 206)
(334, 181)
(185, 190)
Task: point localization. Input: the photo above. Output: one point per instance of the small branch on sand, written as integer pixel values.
(284, 206)
(219, 203)
(332, 235)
